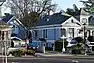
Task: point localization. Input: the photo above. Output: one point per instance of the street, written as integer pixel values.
(47, 60)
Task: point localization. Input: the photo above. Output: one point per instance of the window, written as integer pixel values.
(36, 33)
(63, 32)
(71, 32)
(49, 44)
(84, 20)
(92, 48)
(88, 32)
(45, 33)
(15, 29)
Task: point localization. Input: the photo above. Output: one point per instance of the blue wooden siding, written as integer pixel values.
(58, 33)
(40, 34)
(50, 34)
(18, 30)
(54, 34)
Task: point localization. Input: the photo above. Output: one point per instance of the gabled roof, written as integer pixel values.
(77, 17)
(7, 18)
(56, 18)
(81, 12)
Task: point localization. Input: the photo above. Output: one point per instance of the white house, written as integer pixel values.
(5, 35)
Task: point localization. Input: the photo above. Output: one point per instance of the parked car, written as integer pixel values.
(33, 45)
(17, 42)
(37, 46)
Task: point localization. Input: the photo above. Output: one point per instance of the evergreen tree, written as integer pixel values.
(89, 5)
(71, 11)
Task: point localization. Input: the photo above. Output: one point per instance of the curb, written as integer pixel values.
(19, 56)
(65, 56)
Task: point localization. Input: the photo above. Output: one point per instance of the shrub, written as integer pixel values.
(78, 48)
(76, 51)
(59, 45)
(49, 48)
(30, 52)
(21, 52)
(16, 53)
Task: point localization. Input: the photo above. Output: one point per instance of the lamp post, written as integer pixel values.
(84, 30)
(63, 49)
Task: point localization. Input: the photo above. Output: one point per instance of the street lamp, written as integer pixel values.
(84, 21)
(63, 49)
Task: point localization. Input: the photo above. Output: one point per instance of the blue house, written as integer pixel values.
(62, 26)
(18, 30)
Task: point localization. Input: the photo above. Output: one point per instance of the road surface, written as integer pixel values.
(47, 60)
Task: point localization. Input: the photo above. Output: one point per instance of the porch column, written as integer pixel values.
(76, 31)
(91, 32)
(9, 38)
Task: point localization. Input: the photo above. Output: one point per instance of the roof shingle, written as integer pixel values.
(56, 18)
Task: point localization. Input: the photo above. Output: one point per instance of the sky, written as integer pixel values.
(64, 4)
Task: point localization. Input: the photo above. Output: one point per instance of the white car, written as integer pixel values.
(17, 41)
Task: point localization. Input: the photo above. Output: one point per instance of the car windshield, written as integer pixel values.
(35, 44)
(73, 41)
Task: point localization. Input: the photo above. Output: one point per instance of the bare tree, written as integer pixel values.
(27, 9)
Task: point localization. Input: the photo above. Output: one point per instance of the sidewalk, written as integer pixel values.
(58, 54)
(52, 53)
(24, 56)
